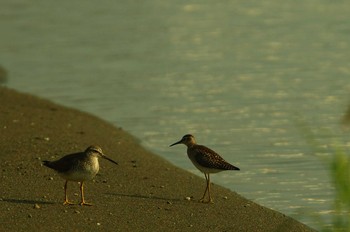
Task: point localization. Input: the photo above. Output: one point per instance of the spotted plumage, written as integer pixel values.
(205, 159)
(208, 158)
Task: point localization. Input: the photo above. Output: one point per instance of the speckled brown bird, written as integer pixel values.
(206, 160)
(78, 167)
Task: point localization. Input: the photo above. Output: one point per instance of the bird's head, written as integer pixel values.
(96, 150)
(188, 140)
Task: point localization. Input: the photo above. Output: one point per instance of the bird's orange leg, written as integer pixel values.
(82, 195)
(66, 202)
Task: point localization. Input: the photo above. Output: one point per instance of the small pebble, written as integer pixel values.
(225, 197)
(188, 198)
(98, 223)
(77, 212)
(169, 202)
(50, 178)
(36, 206)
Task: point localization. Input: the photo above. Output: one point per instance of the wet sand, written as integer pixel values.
(144, 192)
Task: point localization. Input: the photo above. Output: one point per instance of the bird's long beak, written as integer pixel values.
(176, 143)
(105, 157)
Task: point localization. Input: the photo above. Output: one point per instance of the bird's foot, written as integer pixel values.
(206, 201)
(67, 203)
(85, 203)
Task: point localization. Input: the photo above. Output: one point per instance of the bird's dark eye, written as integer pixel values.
(97, 150)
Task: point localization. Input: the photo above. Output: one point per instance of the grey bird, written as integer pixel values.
(78, 167)
(206, 160)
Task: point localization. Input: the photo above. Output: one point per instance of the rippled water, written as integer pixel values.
(247, 79)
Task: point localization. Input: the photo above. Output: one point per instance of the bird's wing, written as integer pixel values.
(210, 159)
(66, 163)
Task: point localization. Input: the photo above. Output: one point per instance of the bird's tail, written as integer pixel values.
(47, 163)
(234, 168)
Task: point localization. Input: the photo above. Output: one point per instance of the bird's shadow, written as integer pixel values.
(144, 197)
(28, 202)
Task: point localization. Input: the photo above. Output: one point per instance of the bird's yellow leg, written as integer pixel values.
(206, 188)
(82, 195)
(66, 202)
(208, 184)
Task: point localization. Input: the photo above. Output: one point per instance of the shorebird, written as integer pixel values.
(206, 160)
(78, 167)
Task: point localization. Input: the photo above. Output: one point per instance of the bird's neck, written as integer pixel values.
(190, 145)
